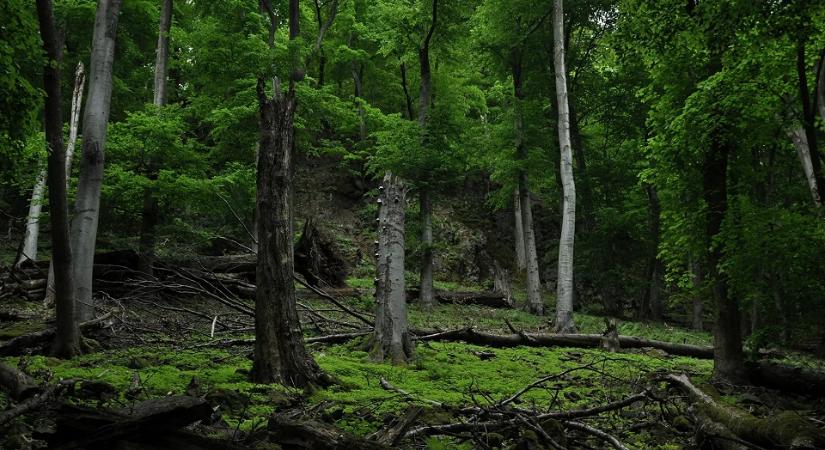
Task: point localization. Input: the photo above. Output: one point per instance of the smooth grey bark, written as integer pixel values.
(521, 259)
(67, 337)
(74, 120)
(803, 152)
(32, 233)
(564, 289)
(391, 339)
(535, 304)
(95, 122)
(162, 53)
(426, 296)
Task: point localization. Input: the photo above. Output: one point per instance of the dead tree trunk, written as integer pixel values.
(391, 339)
(95, 123)
(67, 342)
(280, 355)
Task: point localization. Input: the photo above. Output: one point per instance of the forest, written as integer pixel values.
(412, 224)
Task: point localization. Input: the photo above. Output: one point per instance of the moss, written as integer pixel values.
(20, 328)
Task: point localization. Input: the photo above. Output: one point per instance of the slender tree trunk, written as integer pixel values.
(651, 306)
(32, 234)
(585, 193)
(150, 203)
(407, 98)
(697, 307)
(95, 122)
(820, 86)
(162, 53)
(803, 151)
(521, 259)
(535, 304)
(564, 296)
(29, 251)
(426, 296)
(74, 120)
(808, 114)
(280, 355)
(67, 338)
(391, 339)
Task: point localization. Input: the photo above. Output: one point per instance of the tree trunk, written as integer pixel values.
(280, 354)
(803, 151)
(697, 308)
(426, 286)
(67, 339)
(162, 55)
(29, 251)
(808, 114)
(535, 304)
(521, 259)
(564, 296)
(820, 86)
(651, 306)
(77, 101)
(426, 94)
(32, 234)
(407, 98)
(728, 358)
(392, 338)
(95, 122)
(150, 203)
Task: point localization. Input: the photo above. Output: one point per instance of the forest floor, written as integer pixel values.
(166, 346)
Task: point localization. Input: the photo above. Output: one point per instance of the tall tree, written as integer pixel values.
(280, 354)
(150, 201)
(426, 296)
(95, 122)
(564, 291)
(67, 338)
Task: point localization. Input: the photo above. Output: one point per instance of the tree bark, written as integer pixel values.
(535, 304)
(426, 296)
(651, 306)
(162, 54)
(407, 98)
(280, 355)
(391, 339)
(67, 339)
(808, 113)
(521, 259)
(564, 296)
(77, 101)
(697, 307)
(32, 233)
(728, 359)
(803, 152)
(95, 122)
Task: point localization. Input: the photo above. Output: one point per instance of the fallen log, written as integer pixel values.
(80, 427)
(294, 434)
(488, 299)
(471, 336)
(29, 404)
(785, 430)
(781, 377)
(16, 384)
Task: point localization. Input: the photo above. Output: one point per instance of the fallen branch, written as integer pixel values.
(596, 432)
(39, 338)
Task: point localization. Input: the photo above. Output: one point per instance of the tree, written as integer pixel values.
(565, 292)
(67, 338)
(150, 202)
(280, 354)
(95, 123)
(391, 339)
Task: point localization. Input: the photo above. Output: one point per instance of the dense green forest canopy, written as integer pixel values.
(676, 145)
